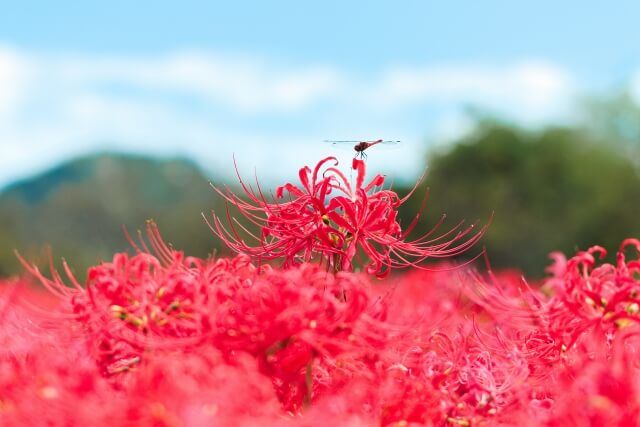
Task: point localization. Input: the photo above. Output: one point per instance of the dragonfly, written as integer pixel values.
(360, 146)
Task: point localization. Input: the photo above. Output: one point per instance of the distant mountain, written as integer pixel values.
(34, 190)
(80, 207)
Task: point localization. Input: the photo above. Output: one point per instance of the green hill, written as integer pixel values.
(80, 207)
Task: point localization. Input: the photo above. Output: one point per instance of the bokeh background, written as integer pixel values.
(116, 112)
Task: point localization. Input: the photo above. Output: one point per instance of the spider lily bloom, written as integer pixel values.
(135, 303)
(296, 323)
(293, 230)
(586, 300)
(329, 219)
(600, 387)
(367, 214)
(603, 296)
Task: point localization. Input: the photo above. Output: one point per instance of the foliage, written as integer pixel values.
(554, 189)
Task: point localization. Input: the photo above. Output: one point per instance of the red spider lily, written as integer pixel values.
(304, 347)
(327, 217)
(606, 293)
(161, 339)
(291, 230)
(588, 296)
(601, 387)
(582, 304)
(200, 388)
(292, 322)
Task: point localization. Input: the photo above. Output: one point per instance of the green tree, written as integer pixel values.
(554, 189)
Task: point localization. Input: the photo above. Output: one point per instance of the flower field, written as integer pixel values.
(330, 313)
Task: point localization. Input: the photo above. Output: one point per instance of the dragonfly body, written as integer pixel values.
(361, 146)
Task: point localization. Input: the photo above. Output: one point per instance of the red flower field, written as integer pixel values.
(299, 328)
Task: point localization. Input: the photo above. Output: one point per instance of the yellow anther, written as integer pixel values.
(118, 312)
(334, 238)
(398, 367)
(600, 402)
(184, 315)
(173, 306)
(123, 365)
(623, 322)
(140, 322)
(458, 421)
(633, 308)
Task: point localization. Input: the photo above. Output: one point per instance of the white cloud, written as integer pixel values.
(210, 106)
(530, 89)
(243, 84)
(13, 75)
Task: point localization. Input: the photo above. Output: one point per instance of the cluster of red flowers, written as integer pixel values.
(329, 219)
(160, 339)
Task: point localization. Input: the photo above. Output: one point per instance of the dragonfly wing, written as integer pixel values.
(355, 141)
(352, 143)
(342, 145)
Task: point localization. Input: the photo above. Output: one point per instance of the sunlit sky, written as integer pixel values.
(268, 81)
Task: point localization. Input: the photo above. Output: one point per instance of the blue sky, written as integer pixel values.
(268, 81)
